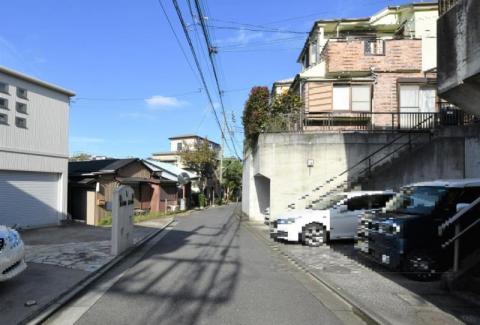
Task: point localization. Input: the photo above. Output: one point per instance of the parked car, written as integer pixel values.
(12, 254)
(335, 217)
(405, 234)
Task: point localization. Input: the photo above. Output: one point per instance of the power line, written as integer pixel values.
(177, 39)
(281, 31)
(211, 52)
(197, 63)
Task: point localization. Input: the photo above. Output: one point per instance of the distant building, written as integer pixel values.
(33, 150)
(179, 143)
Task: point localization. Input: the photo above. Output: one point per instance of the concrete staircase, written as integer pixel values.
(351, 178)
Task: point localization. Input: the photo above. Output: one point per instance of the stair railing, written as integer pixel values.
(462, 215)
(368, 159)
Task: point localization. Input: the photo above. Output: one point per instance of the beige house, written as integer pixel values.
(179, 143)
(369, 72)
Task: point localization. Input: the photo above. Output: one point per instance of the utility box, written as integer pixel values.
(122, 219)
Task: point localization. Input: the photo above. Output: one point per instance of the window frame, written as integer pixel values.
(17, 104)
(350, 108)
(4, 90)
(179, 146)
(19, 93)
(6, 103)
(17, 119)
(6, 119)
(367, 48)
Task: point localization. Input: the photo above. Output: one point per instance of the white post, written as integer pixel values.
(456, 248)
(122, 219)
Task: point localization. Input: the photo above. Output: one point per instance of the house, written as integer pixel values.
(459, 53)
(179, 143)
(170, 191)
(91, 185)
(33, 150)
(370, 71)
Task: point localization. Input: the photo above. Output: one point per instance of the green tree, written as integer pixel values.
(286, 103)
(80, 157)
(232, 177)
(202, 159)
(255, 113)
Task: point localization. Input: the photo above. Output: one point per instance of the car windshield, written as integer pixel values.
(418, 200)
(329, 201)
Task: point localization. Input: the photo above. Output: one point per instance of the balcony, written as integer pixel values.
(446, 5)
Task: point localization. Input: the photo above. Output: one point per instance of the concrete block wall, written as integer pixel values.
(282, 160)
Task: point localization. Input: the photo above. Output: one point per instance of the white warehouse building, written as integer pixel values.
(33, 151)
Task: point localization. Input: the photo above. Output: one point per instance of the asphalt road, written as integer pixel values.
(209, 269)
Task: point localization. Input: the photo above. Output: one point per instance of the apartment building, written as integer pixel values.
(33, 150)
(372, 70)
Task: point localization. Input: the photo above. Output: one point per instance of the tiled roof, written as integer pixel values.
(97, 166)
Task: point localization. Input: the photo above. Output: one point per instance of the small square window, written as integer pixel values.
(22, 108)
(21, 122)
(22, 93)
(4, 103)
(4, 119)
(375, 47)
(3, 87)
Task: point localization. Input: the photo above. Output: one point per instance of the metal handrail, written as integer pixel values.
(457, 216)
(360, 162)
(460, 234)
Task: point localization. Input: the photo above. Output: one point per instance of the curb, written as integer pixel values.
(369, 316)
(59, 301)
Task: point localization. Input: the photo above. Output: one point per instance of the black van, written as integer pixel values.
(404, 235)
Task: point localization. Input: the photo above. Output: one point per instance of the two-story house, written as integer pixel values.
(370, 70)
(180, 143)
(33, 150)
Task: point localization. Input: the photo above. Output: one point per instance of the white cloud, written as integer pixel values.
(164, 101)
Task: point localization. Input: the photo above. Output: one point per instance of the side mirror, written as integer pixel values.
(342, 208)
(461, 206)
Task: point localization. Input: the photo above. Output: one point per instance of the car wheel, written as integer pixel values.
(421, 266)
(313, 235)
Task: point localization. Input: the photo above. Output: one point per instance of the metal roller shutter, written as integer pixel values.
(28, 199)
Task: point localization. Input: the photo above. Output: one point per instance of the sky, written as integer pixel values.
(134, 87)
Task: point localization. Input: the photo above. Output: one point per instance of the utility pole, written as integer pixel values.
(221, 157)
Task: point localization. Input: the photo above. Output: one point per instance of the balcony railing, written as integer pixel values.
(446, 5)
(369, 121)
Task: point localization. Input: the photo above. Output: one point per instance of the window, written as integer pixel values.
(3, 87)
(361, 98)
(179, 146)
(417, 99)
(380, 200)
(4, 103)
(21, 108)
(22, 93)
(352, 98)
(21, 122)
(3, 119)
(358, 203)
(341, 98)
(313, 52)
(375, 47)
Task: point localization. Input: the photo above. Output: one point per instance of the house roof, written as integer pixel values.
(169, 171)
(186, 136)
(103, 166)
(38, 82)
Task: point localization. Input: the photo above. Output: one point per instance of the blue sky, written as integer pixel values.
(134, 88)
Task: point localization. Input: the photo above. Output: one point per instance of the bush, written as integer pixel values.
(202, 200)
